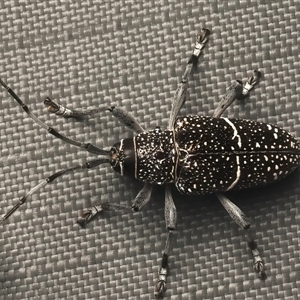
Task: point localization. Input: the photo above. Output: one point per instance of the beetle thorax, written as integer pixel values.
(155, 156)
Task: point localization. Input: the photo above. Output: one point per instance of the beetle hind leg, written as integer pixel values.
(171, 218)
(240, 218)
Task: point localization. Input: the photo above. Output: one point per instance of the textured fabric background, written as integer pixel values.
(132, 54)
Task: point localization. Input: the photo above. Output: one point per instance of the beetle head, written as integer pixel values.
(122, 157)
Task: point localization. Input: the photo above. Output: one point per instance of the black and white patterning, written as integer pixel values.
(205, 155)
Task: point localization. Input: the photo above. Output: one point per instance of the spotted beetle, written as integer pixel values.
(199, 154)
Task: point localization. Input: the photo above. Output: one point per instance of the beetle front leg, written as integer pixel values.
(122, 115)
(180, 94)
(56, 108)
(126, 119)
(171, 218)
(142, 198)
(240, 218)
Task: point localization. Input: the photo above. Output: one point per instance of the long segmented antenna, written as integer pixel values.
(86, 146)
(88, 165)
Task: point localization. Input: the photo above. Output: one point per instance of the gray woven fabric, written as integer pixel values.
(132, 54)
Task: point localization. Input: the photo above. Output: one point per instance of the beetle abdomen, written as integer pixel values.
(220, 154)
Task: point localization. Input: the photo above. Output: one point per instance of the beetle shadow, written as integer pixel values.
(259, 205)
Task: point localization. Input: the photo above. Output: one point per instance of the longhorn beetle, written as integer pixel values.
(200, 155)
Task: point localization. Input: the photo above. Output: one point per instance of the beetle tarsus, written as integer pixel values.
(59, 110)
(52, 106)
(160, 286)
(258, 262)
(251, 82)
(201, 40)
(262, 275)
(87, 214)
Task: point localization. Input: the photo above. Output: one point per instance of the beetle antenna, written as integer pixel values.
(88, 165)
(86, 146)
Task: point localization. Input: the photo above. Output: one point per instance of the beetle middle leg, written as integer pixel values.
(234, 92)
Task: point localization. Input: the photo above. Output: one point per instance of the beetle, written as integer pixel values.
(199, 154)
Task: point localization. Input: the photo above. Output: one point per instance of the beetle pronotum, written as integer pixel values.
(200, 155)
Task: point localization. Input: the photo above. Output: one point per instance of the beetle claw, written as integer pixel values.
(160, 288)
(87, 214)
(262, 275)
(260, 269)
(251, 82)
(52, 106)
(202, 37)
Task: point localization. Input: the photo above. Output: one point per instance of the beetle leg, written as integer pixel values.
(171, 218)
(88, 165)
(231, 94)
(122, 115)
(142, 198)
(251, 82)
(89, 213)
(240, 218)
(236, 91)
(58, 109)
(126, 119)
(180, 94)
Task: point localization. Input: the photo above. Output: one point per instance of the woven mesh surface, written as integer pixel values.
(132, 54)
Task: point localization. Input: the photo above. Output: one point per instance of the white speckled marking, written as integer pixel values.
(235, 132)
(238, 173)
